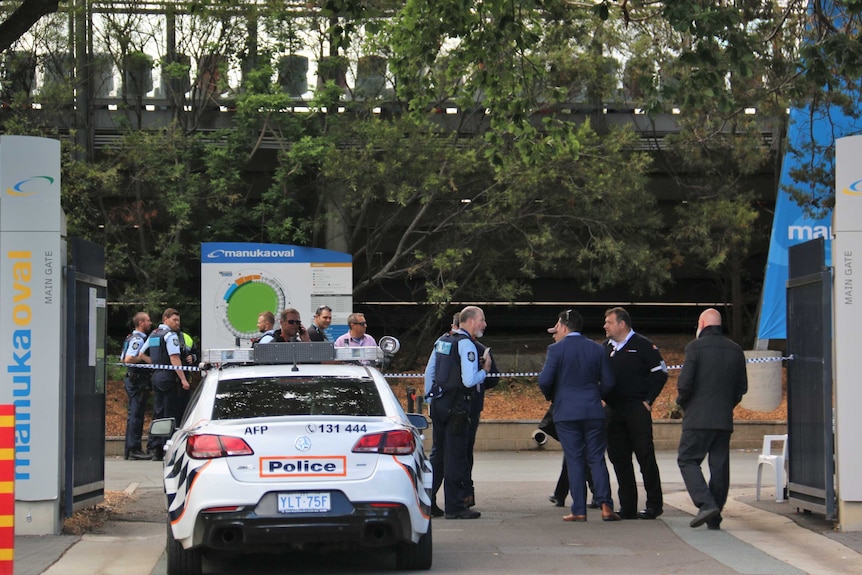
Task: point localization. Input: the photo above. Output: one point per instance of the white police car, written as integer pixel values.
(283, 454)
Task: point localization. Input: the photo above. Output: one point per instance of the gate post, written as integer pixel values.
(31, 319)
(847, 265)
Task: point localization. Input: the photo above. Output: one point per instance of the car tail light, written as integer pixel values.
(223, 509)
(214, 446)
(399, 442)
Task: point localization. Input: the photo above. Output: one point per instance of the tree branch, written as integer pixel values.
(27, 14)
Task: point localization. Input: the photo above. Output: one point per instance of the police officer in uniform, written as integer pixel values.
(190, 355)
(266, 327)
(452, 372)
(166, 349)
(477, 404)
(137, 384)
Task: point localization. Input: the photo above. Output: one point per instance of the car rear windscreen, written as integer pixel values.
(275, 396)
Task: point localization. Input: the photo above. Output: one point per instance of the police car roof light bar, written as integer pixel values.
(295, 353)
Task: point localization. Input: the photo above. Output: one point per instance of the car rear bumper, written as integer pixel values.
(244, 531)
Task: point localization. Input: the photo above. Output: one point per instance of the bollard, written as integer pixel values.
(411, 399)
(7, 489)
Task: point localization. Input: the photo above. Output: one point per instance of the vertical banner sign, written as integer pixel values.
(241, 280)
(847, 314)
(791, 225)
(7, 489)
(31, 224)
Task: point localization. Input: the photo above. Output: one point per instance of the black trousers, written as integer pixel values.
(169, 400)
(138, 391)
(630, 433)
(450, 454)
(562, 488)
(471, 444)
(694, 446)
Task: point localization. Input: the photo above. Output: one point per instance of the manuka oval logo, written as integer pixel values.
(29, 186)
(854, 189)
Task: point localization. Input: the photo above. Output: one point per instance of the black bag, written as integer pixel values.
(547, 424)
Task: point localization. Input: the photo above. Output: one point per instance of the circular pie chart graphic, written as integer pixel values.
(245, 297)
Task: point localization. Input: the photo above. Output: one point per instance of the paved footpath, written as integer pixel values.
(519, 532)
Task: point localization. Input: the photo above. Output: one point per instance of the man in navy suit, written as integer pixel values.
(576, 375)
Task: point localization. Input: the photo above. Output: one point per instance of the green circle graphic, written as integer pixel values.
(247, 302)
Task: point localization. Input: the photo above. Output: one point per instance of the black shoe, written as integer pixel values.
(704, 515)
(593, 504)
(158, 455)
(436, 511)
(650, 513)
(627, 514)
(714, 524)
(138, 455)
(558, 501)
(465, 514)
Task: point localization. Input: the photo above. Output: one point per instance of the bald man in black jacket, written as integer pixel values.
(712, 382)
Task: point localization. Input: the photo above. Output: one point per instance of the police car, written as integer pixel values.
(282, 448)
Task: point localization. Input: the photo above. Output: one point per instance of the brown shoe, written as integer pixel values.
(608, 513)
(575, 518)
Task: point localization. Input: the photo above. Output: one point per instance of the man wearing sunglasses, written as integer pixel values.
(291, 327)
(320, 323)
(356, 336)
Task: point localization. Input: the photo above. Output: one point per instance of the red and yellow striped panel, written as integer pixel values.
(7, 488)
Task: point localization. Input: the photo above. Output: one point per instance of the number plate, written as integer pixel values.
(308, 502)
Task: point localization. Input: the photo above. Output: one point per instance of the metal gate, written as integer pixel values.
(86, 291)
(811, 481)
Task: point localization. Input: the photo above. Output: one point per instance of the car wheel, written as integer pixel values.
(415, 556)
(182, 561)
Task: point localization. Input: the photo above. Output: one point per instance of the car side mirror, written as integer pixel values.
(163, 427)
(418, 420)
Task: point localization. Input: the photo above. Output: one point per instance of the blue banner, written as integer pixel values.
(812, 132)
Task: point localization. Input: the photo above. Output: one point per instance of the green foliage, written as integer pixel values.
(465, 207)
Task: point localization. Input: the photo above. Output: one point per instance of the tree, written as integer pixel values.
(446, 207)
(717, 72)
(22, 18)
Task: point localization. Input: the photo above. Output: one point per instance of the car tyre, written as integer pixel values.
(415, 556)
(182, 561)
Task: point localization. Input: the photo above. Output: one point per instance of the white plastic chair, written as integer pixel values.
(770, 457)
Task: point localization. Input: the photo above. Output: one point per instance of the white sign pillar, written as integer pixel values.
(31, 324)
(847, 317)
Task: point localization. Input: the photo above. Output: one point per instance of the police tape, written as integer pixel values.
(536, 373)
(418, 375)
(155, 366)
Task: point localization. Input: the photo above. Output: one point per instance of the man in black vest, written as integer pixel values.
(165, 349)
(452, 372)
(266, 327)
